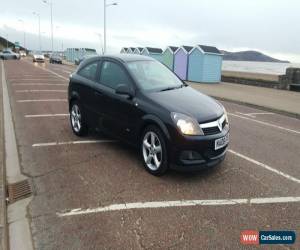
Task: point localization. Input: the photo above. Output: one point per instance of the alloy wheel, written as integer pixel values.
(152, 150)
(76, 118)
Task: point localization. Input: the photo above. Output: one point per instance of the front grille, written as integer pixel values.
(211, 131)
(212, 128)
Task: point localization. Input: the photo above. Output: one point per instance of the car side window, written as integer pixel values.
(89, 71)
(112, 75)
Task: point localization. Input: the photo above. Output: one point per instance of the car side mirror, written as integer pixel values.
(123, 89)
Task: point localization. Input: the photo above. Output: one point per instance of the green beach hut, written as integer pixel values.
(168, 56)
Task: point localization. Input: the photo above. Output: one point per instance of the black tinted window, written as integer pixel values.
(112, 75)
(89, 71)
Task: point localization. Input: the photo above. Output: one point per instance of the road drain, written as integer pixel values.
(17, 191)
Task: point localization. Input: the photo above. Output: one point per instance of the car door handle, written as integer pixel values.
(98, 93)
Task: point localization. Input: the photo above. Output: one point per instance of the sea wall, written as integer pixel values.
(289, 81)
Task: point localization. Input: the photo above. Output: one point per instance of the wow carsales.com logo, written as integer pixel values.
(252, 237)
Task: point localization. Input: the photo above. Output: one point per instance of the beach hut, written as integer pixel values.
(205, 64)
(124, 50)
(155, 53)
(168, 56)
(130, 50)
(181, 58)
(138, 50)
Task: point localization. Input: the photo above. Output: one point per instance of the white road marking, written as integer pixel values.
(253, 115)
(40, 84)
(40, 90)
(265, 123)
(50, 71)
(289, 177)
(178, 203)
(47, 144)
(44, 100)
(36, 79)
(45, 115)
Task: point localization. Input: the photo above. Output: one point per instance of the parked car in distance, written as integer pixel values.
(38, 57)
(55, 58)
(140, 101)
(8, 54)
(22, 53)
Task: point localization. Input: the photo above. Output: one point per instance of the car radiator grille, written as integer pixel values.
(213, 130)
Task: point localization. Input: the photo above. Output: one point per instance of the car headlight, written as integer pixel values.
(186, 125)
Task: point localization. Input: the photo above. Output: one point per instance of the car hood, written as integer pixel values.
(188, 101)
(39, 56)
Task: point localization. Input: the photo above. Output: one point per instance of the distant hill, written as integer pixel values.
(249, 55)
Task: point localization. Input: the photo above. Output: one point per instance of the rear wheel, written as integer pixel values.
(77, 119)
(154, 151)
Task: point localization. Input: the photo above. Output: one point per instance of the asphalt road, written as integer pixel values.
(205, 210)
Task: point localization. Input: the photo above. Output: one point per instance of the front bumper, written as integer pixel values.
(190, 153)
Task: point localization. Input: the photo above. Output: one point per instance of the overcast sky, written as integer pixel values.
(270, 26)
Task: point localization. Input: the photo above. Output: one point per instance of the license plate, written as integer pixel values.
(221, 142)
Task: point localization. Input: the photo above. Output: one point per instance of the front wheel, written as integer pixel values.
(154, 151)
(77, 119)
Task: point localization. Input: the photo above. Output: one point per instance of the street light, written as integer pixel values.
(39, 18)
(49, 2)
(104, 31)
(24, 43)
(62, 43)
(101, 44)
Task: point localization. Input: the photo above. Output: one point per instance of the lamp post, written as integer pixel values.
(49, 2)
(62, 43)
(104, 30)
(101, 44)
(24, 42)
(39, 18)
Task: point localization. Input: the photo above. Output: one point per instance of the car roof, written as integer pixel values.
(124, 57)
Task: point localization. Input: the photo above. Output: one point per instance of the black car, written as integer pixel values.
(138, 100)
(55, 59)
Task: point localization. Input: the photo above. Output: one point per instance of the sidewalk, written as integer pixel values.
(3, 221)
(281, 101)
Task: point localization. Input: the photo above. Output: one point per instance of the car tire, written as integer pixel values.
(154, 151)
(78, 119)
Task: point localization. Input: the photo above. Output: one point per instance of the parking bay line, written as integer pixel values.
(40, 84)
(265, 123)
(178, 203)
(40, 90)
(43, 100)
(47, 144)
(45, 115)
(289, 177)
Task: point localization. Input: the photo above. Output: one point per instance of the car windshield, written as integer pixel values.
(153, 76)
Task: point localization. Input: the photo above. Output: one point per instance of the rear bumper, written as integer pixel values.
(191, 153)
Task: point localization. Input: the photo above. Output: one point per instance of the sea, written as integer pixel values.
(258, 67)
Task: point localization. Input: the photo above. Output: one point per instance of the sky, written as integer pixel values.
(269, 26)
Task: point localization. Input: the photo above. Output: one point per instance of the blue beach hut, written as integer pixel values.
(155, 53)
(205, 64)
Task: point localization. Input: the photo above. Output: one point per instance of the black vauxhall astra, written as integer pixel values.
(140, 101)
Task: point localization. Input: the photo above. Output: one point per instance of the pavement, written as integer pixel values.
(280, 101)
(89, 193)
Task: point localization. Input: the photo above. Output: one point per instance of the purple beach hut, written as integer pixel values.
(181, 61)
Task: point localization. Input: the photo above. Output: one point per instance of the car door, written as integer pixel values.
(84, 85)
(119, 111)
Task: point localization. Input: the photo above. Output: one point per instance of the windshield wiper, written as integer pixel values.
(171, 88)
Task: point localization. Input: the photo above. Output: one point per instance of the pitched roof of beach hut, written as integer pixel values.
(207, 49)
(153, 50)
